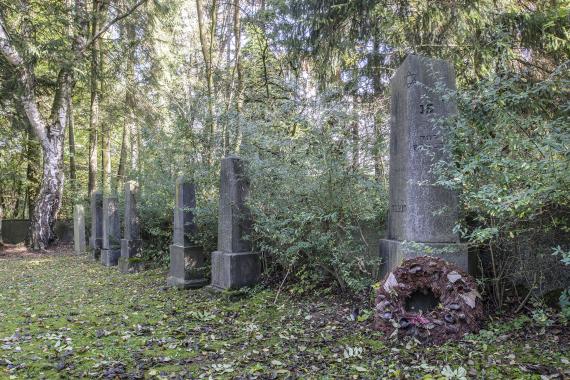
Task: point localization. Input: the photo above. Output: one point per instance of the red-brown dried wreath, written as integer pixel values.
(458, 311)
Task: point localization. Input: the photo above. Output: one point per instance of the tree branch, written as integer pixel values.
(112, 22)
(26, 80)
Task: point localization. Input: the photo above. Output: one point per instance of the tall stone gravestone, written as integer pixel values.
(186, 258)
(79, 229)
(421, 215)
(111, 232)
(233, 264)
(131, 245)
(96, 238)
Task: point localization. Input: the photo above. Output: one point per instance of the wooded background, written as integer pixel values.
(97, 92)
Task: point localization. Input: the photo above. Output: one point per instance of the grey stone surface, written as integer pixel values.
(234, 270)
(187, 268)
(184, 226)
(234, 221)
(131, 244)
(233, 264)
(96, 238)
(79, 229)
(111, 249)
(418, 210)
(186, 259)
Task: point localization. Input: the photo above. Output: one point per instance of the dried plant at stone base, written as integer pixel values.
(458, 311)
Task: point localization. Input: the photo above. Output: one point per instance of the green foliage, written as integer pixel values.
(510, 148)
(310, 204)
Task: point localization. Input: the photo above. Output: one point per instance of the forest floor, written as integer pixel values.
(63, 316)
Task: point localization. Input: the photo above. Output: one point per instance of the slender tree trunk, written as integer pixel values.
(239, 71)
(33, 170)
(71, 134)
(207, 53)
(130, 126)
(355, 145)
(106, 177)
(98, 15)
(1, 217)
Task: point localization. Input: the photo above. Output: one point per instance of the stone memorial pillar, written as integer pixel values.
(186, 258)
(421, 216)
(96, 238)
(79, 229)
(233, 264)
(131, 245)
(111, 232)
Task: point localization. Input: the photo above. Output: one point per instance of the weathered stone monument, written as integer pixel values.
(421, 215)
(79, 229)
(131, 245)
(186, 258)
(96, 238)
(233, 264)
(111, 232)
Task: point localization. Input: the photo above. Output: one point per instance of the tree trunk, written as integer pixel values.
(33, 179)
(239, 71)
(99, 14)
(105, 137)
(1, 217)
(48, 201)
(207, 53)
(130, 131)
(71, 134)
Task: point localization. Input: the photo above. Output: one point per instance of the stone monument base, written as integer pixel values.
(130, 262)
(186, 269)
(132, 265)
(95, 248)
(394, 252)
(110, 257)
(234, 270)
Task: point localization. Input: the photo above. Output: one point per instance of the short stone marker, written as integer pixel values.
(131, 245)
(186, 258)
(233, 264)
(111, 232)
(96, 238)
(421, 215)
(79, 229)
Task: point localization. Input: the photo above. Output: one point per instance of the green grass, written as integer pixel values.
(66, 317)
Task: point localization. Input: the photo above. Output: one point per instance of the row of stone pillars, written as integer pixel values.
(233, 266)
(421, 217)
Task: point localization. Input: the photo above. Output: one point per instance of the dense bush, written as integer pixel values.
(311, 204)
(511, 164)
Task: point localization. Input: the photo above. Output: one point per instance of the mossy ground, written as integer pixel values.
(63, 316)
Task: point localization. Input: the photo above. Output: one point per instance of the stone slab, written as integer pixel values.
(234, 270)
(131, 218)
(96, 236)
(130, 265)
(418, 210)
(110, 257)
(184, 226)
(130, 260)
(79, 229)
(187, 268)
(111, 224)
(394, 252)
(234, 221)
